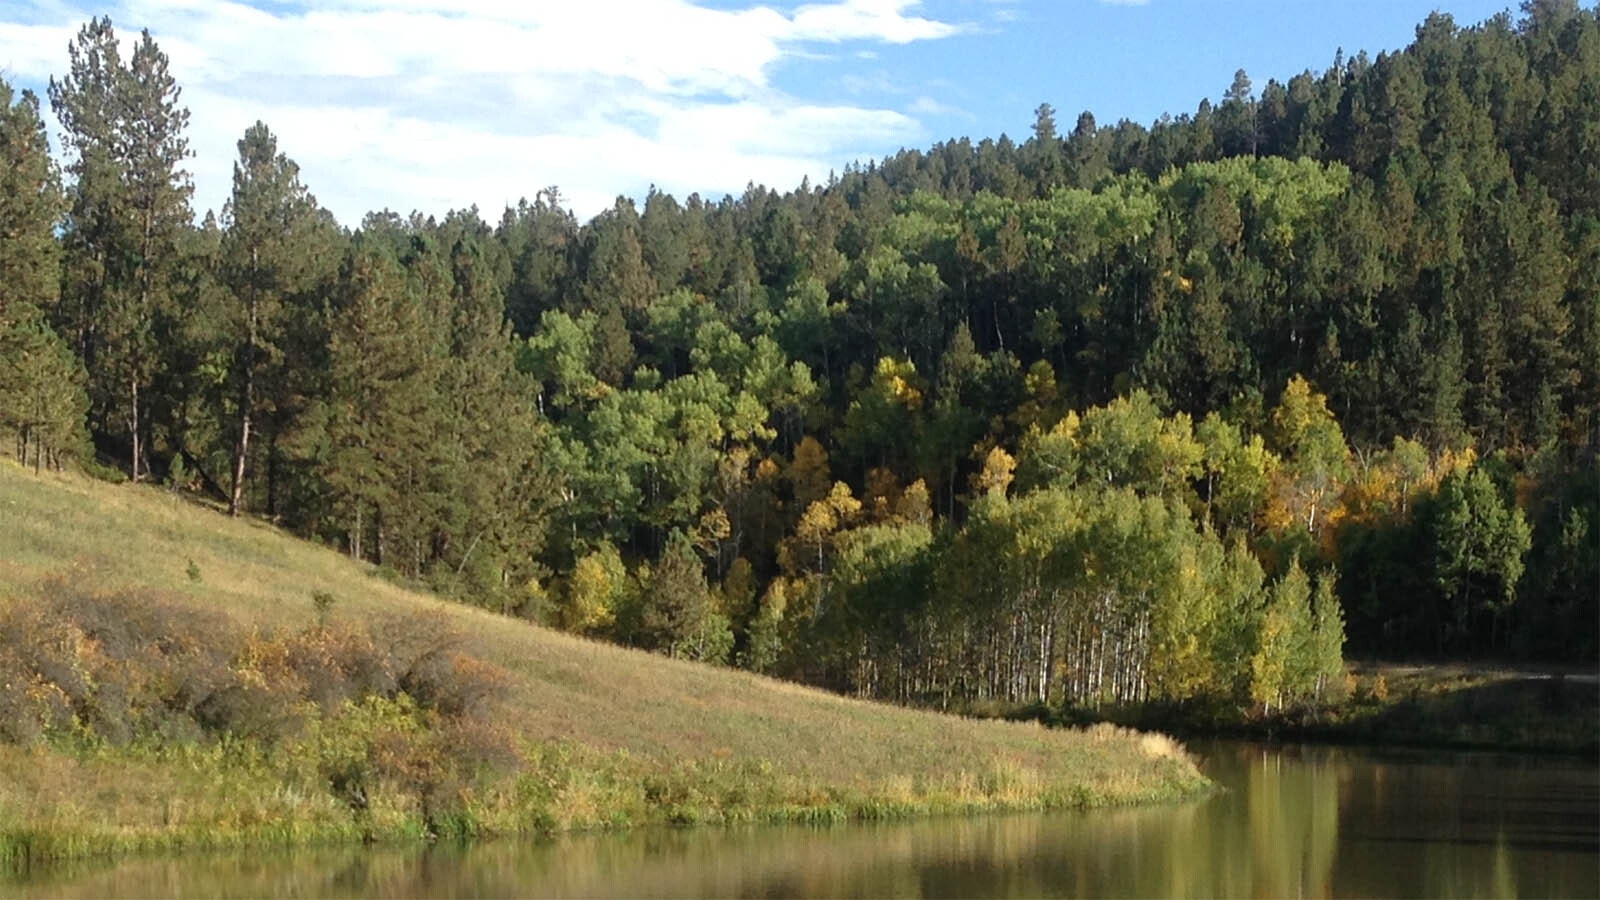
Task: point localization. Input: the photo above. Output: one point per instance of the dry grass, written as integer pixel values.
(613, 702)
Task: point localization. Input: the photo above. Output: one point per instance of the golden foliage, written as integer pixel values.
(999, 467)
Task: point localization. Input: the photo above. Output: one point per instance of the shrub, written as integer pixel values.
(322, 602)
(393, 722)
(132, 664)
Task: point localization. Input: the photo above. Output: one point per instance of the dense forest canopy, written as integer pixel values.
(1126, 413)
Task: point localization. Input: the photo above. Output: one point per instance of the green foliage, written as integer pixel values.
(275, 246)
(1130, 444)
(42, 400)
(1282, 669)
(323, 602)
(30, 204)
(764, 641)
(128, 207)
(1327, 639)
(678, 616)
(1479, 541)
(384, 360)
(1238, 475)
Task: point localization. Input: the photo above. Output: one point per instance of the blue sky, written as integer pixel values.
(437, 104)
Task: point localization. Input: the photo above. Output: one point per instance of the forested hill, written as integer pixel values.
(1130, 412)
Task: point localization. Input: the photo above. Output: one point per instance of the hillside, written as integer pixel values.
(584, 734)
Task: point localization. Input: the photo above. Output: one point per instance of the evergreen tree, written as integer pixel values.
(540, 238)
(500, 488)
(274, 247)
(679, 618)
(30, 206)
(41, 383)
(382, 412)
(129, 204)
(1238, 131)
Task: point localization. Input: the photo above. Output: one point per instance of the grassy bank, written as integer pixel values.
(179, 679)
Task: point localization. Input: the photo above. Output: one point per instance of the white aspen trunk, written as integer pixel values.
(355, 535)
(1044, 662)
(133, 425)
(247, 397)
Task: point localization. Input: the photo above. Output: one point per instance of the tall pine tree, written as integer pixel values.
(41, 383)
(272, 250)
(129, 204)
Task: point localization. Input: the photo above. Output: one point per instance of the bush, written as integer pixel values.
(118, 666)
(393, 722)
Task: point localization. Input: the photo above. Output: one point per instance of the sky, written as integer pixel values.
(433, 105)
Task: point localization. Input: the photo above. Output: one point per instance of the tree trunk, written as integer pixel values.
(241, 448)
(247, 389)
(355, 534)
(272, 473)
(133, 425)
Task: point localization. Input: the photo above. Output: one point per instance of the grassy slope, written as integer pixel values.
(618, 703)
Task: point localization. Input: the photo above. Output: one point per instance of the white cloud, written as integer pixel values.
(883, 20)
(33, 51)
(433, 104)
(927, 106)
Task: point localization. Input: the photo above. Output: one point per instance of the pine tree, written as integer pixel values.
(273, 248)
(501, 486)
(382, 410)
(42, 398)
(679, 618)
(30, 204)
(129, 203)
(41, 383)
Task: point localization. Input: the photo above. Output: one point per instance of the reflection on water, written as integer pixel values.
(1294, 821)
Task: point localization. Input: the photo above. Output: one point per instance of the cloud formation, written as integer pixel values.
(435, 104)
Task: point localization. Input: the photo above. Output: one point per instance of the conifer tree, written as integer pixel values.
(273, 248)
(129, 203)
(678, 617)
(41, 382)
(381, 416)
(30, 204)
(500, 486)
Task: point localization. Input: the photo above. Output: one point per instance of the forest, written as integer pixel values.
(1171, 412)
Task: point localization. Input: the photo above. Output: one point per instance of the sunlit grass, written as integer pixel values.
(627, 737)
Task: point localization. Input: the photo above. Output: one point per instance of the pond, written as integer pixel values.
(1293, 821)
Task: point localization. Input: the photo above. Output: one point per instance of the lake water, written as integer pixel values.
(1292, 822)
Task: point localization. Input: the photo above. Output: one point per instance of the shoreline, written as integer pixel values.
(1445, 707)
(563, 789)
